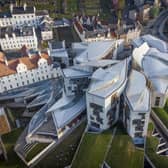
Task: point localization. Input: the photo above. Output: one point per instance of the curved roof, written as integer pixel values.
(152, 56)
(137, 92)
(106, 81)
(66, 109)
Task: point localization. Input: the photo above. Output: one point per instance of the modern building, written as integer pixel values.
(76, 81)
(15, 38)
(103, 95)
(151, 55)
(59, 53)
(93, 51)
(21, 15)
(137, 107)
(26, 70)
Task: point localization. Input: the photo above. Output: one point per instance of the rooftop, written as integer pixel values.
(24, 31)
(137, 92)
(22, 10)
(107, 81)
(72, 72)
(9, 68)
(66, 108)
(151, 54)
(94, 50)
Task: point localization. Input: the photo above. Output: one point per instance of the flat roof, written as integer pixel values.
(72, 72)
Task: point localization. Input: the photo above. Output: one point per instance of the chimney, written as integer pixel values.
(24, 6)
(11, 7)
(6, 61)
(39, 53)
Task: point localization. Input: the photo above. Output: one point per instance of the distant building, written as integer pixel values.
(137, 107)
(46, 24)
(12, 39)
(4, 126)
(103, 95)
(19, 16)
(26, 70)
(150, 56)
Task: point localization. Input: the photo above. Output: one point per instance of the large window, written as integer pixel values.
(157, 101)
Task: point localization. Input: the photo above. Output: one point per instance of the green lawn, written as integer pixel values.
(151, 145)
(35, 150)
(162, 113)
(9, 141)
(92, 150)
(62, 155)
(123, 152)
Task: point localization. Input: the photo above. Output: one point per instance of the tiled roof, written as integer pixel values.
(31, 63)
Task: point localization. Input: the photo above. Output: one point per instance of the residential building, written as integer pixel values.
(103, 95)
(150, 55)
(12, 39)
(46, 24)
(4, 126)
(26, 70)
(21, 15)
(137, 106)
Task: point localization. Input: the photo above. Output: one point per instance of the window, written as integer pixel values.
(157, 101)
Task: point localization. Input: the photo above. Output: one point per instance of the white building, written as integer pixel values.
(46, 28)
(19, 16)
(103, 95)
(11, 39)
(151, 55)
(137, 107)
(26, 70)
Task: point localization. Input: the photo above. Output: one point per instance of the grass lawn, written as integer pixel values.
(92, 150)
(9, 141)
(162, 113)
(62, 155)
(123, 152)
(35, 150)
(151, 145)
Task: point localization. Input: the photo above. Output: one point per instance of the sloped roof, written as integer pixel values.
(66, 109)
(106, 81)
(152, 56)
(95, 51)
(137, 92)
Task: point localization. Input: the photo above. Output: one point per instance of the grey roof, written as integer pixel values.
(137, 93)
(72, 72)
(20, 10)
(152, 56)
(105, 82)
(66, 109)
(25, 31)
(5, 15)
